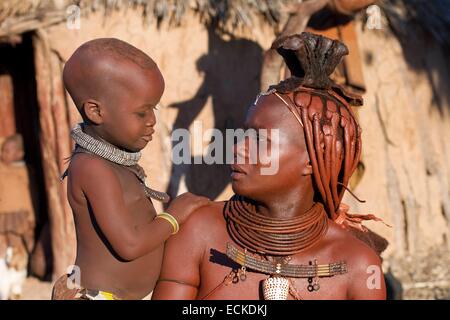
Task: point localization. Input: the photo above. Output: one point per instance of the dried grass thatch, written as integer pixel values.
(19, 16)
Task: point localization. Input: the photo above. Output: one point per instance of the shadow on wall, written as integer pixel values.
(423, 31)
(231, 71)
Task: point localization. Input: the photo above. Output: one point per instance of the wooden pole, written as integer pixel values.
(7, 119)
(55, 145)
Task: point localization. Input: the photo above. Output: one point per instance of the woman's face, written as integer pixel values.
(286, 152)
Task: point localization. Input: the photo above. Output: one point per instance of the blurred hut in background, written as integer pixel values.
(215, 57)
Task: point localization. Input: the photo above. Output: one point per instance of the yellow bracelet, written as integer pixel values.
(168, 217)
(172, 220)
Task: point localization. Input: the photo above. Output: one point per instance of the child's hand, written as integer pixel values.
(185, 204)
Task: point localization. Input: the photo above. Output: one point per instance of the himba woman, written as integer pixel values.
(285, 236)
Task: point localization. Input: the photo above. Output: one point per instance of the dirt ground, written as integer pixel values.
(424, 276)
(35, 289)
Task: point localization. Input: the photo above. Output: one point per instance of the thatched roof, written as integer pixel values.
(19, 16)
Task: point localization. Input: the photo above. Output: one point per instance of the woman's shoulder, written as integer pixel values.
(207, 216)
(358, 255)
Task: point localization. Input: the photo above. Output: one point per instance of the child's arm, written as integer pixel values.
(103, 190)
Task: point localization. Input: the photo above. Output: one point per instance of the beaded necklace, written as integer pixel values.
(129, 160)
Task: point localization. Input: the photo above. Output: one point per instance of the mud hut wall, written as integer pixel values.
(55, 147)
(406, 127)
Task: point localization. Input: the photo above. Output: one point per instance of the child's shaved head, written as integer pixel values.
(115, 86)
(97, 66)
(118, 49)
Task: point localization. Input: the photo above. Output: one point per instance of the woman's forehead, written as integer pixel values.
(270, 113)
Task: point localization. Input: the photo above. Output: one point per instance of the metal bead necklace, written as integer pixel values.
(104, 149)
(129, 160)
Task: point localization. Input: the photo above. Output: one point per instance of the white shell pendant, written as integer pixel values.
(276, 288)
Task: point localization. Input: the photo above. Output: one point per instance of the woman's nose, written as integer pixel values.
(240, 149)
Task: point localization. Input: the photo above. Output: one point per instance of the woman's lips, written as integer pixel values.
(237, 171)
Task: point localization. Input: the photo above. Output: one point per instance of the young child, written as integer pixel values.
(17, 219)
(120, 237)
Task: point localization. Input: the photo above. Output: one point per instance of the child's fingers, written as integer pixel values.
(203, 201)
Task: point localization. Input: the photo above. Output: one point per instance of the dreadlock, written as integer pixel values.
(332, 133)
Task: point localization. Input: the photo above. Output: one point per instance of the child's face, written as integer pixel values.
(129, 118)
(11, 152)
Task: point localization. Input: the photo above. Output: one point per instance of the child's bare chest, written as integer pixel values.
(134, 196)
